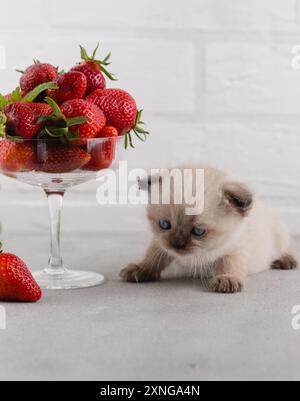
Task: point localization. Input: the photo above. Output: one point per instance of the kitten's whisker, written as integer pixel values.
(158, 254)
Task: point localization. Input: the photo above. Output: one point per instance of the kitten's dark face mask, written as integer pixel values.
(226, 207)
(181, 238)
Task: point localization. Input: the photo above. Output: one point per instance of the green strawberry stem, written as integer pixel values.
(102, 63)
(31, 96)
(3, 133)
(138, 131)
(57, 125)
(16, 95)
(3, 121)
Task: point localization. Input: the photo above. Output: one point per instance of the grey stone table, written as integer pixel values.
(172, 330)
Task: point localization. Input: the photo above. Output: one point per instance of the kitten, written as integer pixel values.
(236, 235)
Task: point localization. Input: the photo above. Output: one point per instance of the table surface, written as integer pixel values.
(172, 330)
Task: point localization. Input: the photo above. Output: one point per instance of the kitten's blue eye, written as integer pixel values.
(198, 231)
(165, 224)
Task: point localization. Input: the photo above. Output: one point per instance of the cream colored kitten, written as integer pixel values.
(236, 235)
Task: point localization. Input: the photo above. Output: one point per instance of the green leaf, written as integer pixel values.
(72, 136)
(55, 107)
(31, 96)
(130, 140)
(50, 133)
(42, 134)
(95, 51)
(101, 63)
(76, 121)
(16, 95)
(14, 138)
(83, 54)
(108, 74)
(3, 102)
(138, 135)
(105, 61)
(141, 130)
(3, 121)
(59, 131)
(3, 118)
(138, 117)
(45, 119)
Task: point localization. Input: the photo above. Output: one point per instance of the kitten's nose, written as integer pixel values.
(178, 243)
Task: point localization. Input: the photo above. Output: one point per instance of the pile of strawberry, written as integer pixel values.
(70, 108)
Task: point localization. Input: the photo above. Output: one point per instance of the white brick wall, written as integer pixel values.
(214, 77)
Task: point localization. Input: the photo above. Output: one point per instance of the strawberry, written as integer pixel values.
(22, 118)
(37, 74)
(103, 152)
(16, 282)
(58, 159)
(121, 112)
(16, 156)
(93, 70)
(108, 132)
(95, 117)
(72, 85)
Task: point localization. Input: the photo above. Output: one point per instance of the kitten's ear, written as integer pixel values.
(238, 196)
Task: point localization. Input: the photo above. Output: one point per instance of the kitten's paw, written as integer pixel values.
(136, 274)
(286, 262)
(226, 284)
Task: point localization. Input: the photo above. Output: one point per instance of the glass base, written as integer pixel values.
(67, 279)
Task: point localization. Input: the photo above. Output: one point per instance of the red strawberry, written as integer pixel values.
(22, 118)
(72, 85)
(108, 132)
(16, 156)
(120, 110)
(57, 158)
(37, 74)
(16, 281)
(102, 151)
(93, 69)
(79, 107)
(95, 78)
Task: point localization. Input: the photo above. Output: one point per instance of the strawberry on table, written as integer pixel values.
(16, 156)
(102, 151)
(71, 85)
(22, 118)
(16, 282)
(57, 158)
(121, 112)
(93, 69)
(37, 74)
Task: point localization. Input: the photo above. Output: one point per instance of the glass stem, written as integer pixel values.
(55, 203)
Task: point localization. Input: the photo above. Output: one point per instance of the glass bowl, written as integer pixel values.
(55, 167)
